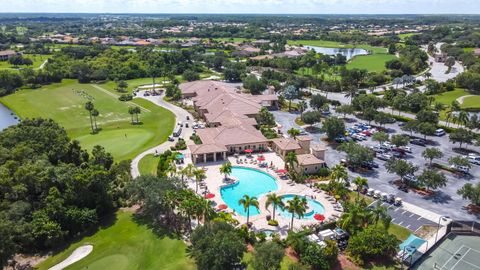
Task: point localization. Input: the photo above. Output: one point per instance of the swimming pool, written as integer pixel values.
(314, 207)
(250, 182)
(411, 244)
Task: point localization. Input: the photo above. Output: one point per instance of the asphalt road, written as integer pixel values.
(446, 201)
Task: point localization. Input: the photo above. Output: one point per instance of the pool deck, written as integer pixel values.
(215, 181)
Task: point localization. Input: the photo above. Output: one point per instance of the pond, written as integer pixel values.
(349, 53)
(7, 117)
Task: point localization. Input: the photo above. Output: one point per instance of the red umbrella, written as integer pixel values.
(209, 196)
(248, 151)
(261, 158)
(319, 217)
(222, 207)
(281, 171)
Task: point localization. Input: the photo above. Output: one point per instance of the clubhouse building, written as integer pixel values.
(230, 117)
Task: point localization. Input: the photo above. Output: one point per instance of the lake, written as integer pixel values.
(7, 117)
(349, 53)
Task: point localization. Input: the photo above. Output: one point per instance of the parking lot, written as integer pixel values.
(446, 201)
(405, 218)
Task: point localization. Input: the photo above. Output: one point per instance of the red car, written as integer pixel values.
(367, 133)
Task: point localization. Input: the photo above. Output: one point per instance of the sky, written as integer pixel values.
(246, 6)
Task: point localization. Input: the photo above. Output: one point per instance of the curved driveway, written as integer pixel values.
(180, 116)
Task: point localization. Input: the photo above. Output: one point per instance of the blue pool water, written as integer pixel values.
(314, 207)
(411, 244)
(251, 182)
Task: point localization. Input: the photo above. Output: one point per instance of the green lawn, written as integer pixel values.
(37, 59)
(406, 35)
(247, 258)
(447, 97)
(374, 62)
(471, 102)
(126, 245)
(400, 232)
(64, 104)
(148, 165)
(233, 39)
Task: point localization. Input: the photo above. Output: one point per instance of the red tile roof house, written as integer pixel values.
(5, 55)
(230, 117)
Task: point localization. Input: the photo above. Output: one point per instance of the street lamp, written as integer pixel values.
(444, 218)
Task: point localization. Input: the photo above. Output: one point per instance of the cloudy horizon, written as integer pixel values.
(249, 6)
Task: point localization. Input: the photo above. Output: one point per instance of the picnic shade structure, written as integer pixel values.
(248, 151)
(222, 207)
(209, 196)
(261, 158)
(319, 217)
(281, 171)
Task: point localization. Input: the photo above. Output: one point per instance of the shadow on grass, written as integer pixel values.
(157, 227)
(105, 222)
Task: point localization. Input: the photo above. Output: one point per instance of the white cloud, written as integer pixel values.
(244, 6)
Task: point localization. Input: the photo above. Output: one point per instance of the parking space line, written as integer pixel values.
(392, 220)
(412, 215)
(400, 223)
(396, 209)
(408, 226)
(419, 218)
(404, 212)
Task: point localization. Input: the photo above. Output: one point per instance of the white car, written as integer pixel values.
(462, 169)
(439, 132)
(473, 160)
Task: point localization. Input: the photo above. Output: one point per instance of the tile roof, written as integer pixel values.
(308, 159)
(286, 144)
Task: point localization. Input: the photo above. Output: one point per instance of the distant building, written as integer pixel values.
(5, 55)
(476, 52)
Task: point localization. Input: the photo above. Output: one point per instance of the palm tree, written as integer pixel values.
(462, 117)
(95, 113)
(137, 111)
(199, 175)
(293, 132)
(302, 106)
(291, 160)
(360, 182)
(205, 210)
(379, 212)
(296, 206)
(89, 107)
(187, 171)
(131, 111)
(448, 116)
(247, 202)
(273, 199)
(226, 169)
(339, 172)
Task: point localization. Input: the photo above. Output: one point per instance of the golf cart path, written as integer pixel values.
(78, 254)
(180, 116)
(462, 98)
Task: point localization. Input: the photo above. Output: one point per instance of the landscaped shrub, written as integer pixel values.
(125, 97)
(324, 172)
(273, 222)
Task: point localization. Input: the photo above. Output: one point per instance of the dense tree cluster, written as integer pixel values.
(51, 189)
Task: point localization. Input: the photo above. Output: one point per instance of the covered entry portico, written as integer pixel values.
(208, 153)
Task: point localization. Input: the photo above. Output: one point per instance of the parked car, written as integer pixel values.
(171, 138)
(384, 157)
(378, 149)
(407, 149)
(369, 165)
(397, 154)
(419, 142)
(462, 169)
(473, 160)
(439, 132)
(410, 178)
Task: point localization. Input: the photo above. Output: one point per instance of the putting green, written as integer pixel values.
(126, 244)
(64, 103)
(117, 262)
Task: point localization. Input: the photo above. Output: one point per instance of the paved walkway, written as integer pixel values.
(77, 255)
(461, 99)
(180, 116)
